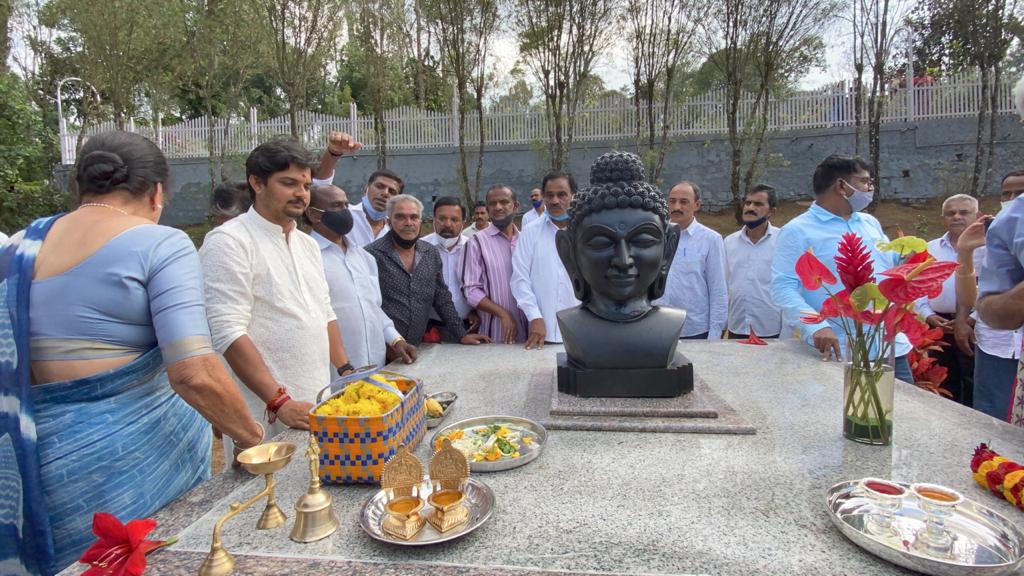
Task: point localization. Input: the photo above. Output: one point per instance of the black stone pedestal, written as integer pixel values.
(669, 382)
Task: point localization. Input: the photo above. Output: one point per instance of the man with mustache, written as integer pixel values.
(369, 218)
(411, 277)
(447, 237)
(480, 219)
(748, 254)
(540, 284)
(696, 279)
(266, 296)
(370, 336)
(537, 202)
(487, 270)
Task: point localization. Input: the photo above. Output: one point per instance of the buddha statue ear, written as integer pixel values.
(657, 290)
(567, 252)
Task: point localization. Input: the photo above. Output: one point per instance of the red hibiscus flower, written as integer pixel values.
(812, 272)
(854, 262)
(122, 548)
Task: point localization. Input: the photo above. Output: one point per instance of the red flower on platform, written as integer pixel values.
(905, 284)
(122, 548)
(854, 262)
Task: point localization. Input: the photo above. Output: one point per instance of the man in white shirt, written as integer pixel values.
(369, 217)
(447, 237)
(748, 254)
(370, 336)
(537, 201)
(958, 212)
(696, 279)
(267, 300)
(480, 219)
(540, 284)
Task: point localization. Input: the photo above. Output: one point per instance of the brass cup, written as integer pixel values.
(267, 458)
(402, 518)
(446, 500)
(405, 507)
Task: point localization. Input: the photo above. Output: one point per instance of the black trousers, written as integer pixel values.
(735, 336)
(703, 336)
(960, 378)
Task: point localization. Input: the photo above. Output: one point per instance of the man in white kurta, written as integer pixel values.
(540, 284)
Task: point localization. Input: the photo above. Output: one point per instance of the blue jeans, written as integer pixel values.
(993, 383)
(902, 369)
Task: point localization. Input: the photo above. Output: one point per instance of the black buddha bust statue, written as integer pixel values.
(617, 250)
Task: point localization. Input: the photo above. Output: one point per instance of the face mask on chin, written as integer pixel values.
(503, 223)
(402, 242)
(372, 212)
(858, 199)
(755, 223)
(560, 218)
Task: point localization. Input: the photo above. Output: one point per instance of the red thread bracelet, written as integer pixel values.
(274, 405)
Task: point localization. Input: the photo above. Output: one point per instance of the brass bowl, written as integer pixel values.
(267, 458)
(405, 507)
(445, 500)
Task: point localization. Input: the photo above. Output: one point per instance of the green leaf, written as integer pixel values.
(868, 294)
(904, 246)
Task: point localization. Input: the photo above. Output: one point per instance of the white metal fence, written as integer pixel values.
(613, 119)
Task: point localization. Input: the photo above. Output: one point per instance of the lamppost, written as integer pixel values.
(65, 151)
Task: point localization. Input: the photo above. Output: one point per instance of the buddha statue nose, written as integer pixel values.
(623, 259)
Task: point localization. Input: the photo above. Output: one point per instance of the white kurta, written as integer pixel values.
(540, 283)
(258, 284)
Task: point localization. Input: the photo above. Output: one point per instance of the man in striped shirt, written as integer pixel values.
(487, 270)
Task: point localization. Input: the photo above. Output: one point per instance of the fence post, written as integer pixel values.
(253, 129)
(455, 119)
(353, 120)
(158, 131)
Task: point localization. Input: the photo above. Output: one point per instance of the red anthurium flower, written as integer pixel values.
(908, 282)
(752, 338)
(918, 257)
(854, 262)
(121, 549)
(812, 272)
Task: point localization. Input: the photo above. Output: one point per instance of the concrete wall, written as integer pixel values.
(919, 161)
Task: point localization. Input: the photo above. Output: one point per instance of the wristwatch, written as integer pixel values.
(345, 368)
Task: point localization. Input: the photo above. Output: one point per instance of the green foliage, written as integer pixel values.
(22, 138)
(23, 202)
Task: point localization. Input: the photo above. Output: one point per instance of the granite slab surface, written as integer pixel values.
(618, 502)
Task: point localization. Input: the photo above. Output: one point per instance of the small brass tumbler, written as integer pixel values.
(314, 517)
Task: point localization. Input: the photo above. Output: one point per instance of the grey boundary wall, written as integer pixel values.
(919, 161)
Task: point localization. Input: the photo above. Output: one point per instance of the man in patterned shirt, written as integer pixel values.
(411, 277)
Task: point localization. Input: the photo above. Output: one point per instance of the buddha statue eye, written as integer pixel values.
(643, 240)
(599, 242)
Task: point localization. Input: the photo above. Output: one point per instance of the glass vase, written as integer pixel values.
(869, 381)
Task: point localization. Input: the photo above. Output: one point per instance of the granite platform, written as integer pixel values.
(627, 502)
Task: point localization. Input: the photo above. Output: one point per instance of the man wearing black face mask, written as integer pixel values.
(748, 255)
(369, 335)
(411, 277)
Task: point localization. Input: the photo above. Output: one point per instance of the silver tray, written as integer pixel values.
(985, 543)
(446, 400)
(526, 455)
(479, 501)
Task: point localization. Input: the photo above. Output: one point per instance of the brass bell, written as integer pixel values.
(314, 517)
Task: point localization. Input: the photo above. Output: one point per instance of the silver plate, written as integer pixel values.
(479, 501)
(985, 543)
(525, 456)
(446, 400)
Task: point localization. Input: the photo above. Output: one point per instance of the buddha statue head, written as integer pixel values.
(619, 242)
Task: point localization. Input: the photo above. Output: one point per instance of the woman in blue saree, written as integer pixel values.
(107, 376)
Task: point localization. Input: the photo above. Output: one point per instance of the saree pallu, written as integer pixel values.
(120, 441)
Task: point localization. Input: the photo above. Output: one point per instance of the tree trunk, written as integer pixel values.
(293, 115)
(481, 125)
(663, 146)
(462, 167)
(211, 143)
(651, 126)
(858, 109)
(735, 144)
(381, 131)
(421, 84)
(979, 135)
(993, 116)
(224, 176)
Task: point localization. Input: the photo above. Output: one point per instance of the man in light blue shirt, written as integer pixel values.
(696, 279)
(842, 188)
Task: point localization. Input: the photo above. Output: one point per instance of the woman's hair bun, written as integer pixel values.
(101, 171)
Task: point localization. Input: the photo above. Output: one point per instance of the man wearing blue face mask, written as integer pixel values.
(370, 336)
(843, 187)
(748, 256)
(537, 202)
(369, 217)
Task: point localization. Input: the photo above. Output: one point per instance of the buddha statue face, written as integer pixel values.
(619, 243)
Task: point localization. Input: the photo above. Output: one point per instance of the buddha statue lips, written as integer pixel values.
(617, 250)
